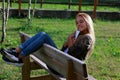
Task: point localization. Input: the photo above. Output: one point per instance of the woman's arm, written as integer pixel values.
(70, 41)
(81, 47)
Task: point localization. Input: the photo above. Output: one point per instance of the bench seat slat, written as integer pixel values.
(50, 61)
(57, 57)
(44, 66)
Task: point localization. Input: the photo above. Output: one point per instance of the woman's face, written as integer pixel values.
(80, 23)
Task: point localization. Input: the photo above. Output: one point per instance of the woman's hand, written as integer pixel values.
(71, 40)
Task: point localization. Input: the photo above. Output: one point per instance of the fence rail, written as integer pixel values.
(73, 2)
(67, 2)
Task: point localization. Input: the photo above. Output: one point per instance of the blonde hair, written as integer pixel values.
(89, 23)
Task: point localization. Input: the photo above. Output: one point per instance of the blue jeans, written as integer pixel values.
(35, 42)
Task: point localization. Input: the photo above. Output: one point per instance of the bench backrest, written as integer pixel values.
(60, 61)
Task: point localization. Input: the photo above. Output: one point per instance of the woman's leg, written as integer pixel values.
(27, 42)
(35, 43)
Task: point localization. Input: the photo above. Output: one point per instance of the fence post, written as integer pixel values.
(80, 4)
(19, 7)
(69, 4)
(10, 3)
(95, 7)
(41, 3)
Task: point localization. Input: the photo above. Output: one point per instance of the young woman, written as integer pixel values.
(79, 44)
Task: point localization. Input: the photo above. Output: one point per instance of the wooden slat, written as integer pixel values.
(61, 57)
(91, 77)
(52, 62)
(80, 77)
(34, 66)
(53, 57)
(43, 65)
(26, 36)
(44, 77)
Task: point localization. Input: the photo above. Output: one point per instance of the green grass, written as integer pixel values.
(103, 63)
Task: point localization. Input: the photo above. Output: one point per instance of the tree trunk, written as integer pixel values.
(29, 10)
(3, 22)
(33, 13)
(8, 7)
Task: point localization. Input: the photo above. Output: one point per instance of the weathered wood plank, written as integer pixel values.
(34, 66)
(44, 66)
(59, 58)
(44, 77)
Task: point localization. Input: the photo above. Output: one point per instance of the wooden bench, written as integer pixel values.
(69, 67)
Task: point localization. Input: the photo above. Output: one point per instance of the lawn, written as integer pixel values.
(103, 63)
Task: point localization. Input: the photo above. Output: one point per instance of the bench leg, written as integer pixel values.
(26, 69)
(70, 69)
